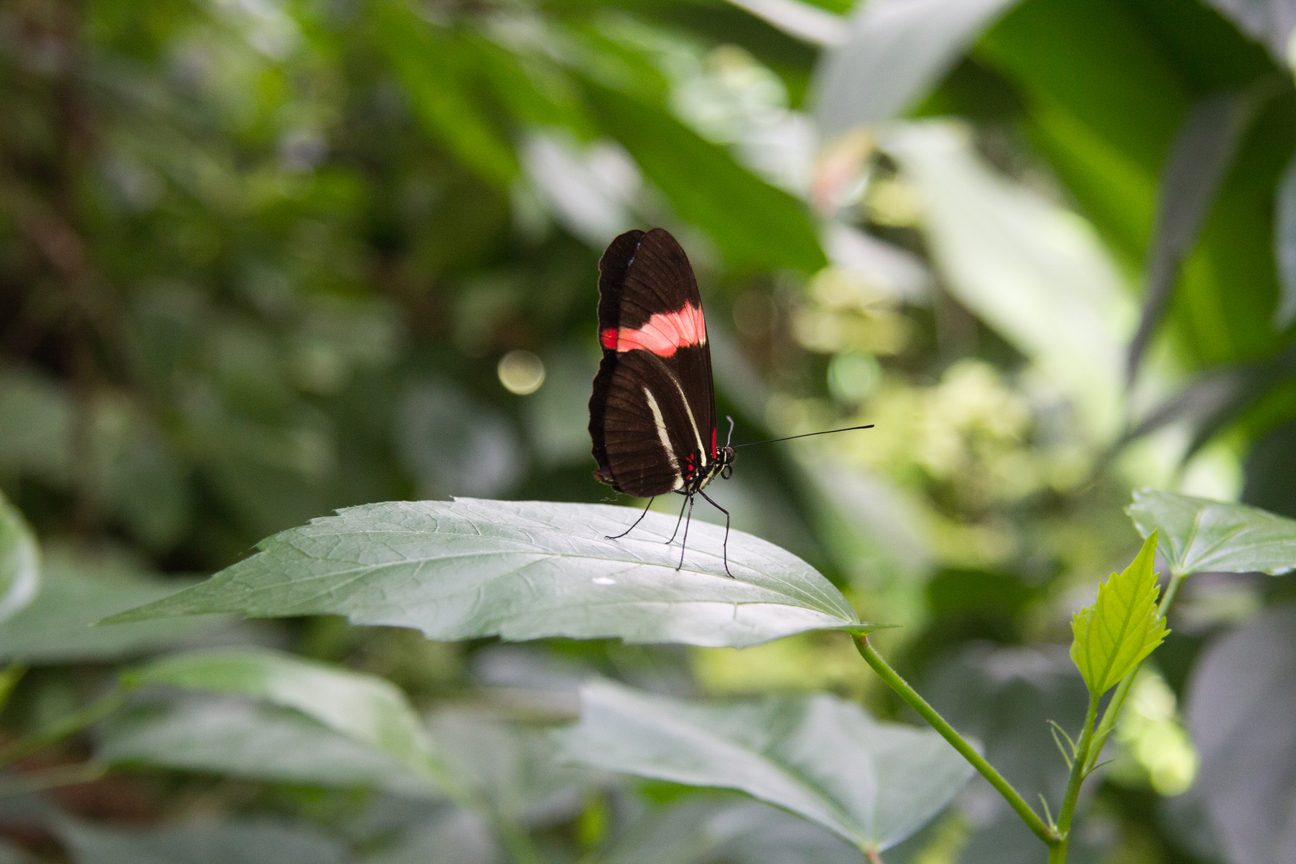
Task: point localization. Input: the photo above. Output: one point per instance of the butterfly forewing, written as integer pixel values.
(652, 414)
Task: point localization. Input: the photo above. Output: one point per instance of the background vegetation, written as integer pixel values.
(260, 260)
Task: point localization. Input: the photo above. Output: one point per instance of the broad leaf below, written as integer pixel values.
(826, 760)
(522, 570)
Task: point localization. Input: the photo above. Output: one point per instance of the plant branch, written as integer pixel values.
(928, 713)
(1058, 853)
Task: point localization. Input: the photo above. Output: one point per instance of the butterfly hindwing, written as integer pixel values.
(652, 414)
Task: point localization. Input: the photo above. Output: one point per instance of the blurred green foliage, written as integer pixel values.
(261, 259)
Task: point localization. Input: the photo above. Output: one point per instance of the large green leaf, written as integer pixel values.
(1029, 269)
(237, 842)
(895, 51)
(703, 829)
(75, 593)
(1005, 697)
(827, 760)
(365, 708)
(1199, 535)
(1241, 699)
(1199, 159)
(439, 72)
(239, 737)
(19, 561)
(804, 21)
(522, 570)
(1269, 22)
(456, 837)
(510, 766)
(1122, 626)
(754, 225)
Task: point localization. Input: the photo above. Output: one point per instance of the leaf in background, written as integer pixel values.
(1200, 157)
(755, 226)
(1269, 22)
(36, 416)
(1199, 535)
(232, 842)
(803, 21)
(511, 766)
(1122, 626)
(365, 708)
(895, 52)
(1035, 273)
(1214, 399)
(19, 562)
(1285, 246)
(827, 760)
(1005, 697)
(57, 627)
(702, 829)
(238, 737)
(457, 837)
(1241, 700)
(522, 570)
(437, 71)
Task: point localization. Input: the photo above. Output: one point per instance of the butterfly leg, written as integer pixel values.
(636, 522)
(688, 500)
(684, 542)
(724, 548)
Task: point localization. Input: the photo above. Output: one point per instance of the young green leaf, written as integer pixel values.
(470, 568)
(1122, 626)
(824, 759)
(1199, 535)
(19, 561)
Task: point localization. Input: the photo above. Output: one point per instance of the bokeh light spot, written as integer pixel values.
(521, 372)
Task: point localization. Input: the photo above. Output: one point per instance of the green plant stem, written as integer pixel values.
(939, 723)
(67, 725)
(1058, 853)
(1113, 709)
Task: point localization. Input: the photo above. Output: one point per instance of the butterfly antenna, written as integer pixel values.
(806, 435)
(731, 427)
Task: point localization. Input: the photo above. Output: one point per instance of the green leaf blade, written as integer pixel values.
(56, 627)
(522, 570)
(364, 708)
(1122, 626)
(1200, 535)
(239, 737)
(826, 760)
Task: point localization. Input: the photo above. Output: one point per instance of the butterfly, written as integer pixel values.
(652, 413)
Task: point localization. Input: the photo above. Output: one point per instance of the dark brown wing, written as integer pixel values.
(655, 354)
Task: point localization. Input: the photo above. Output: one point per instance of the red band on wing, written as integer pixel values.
(664, 333)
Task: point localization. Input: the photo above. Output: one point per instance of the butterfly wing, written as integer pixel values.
(652, 413)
